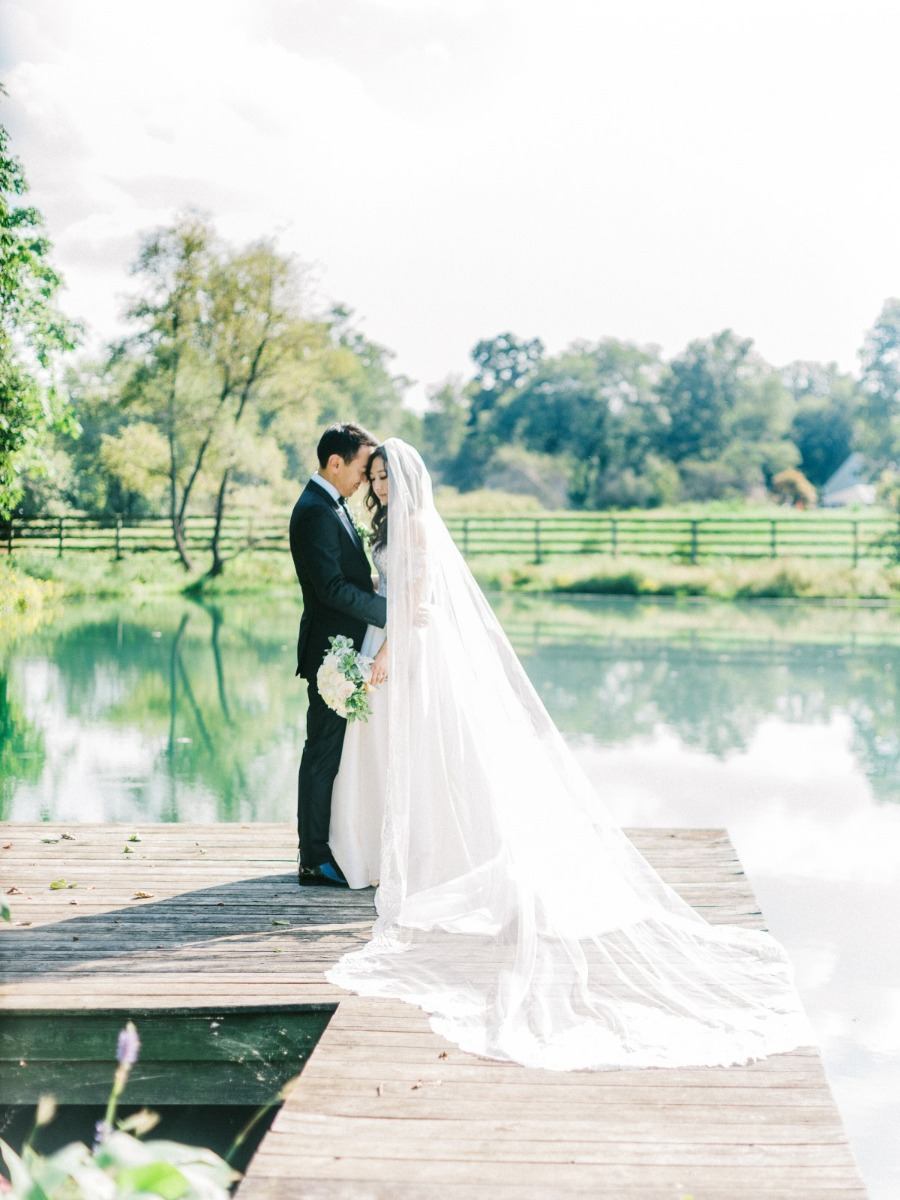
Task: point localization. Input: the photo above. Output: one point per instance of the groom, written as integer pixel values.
(338, 598)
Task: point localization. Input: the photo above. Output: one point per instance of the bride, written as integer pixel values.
(510, 906)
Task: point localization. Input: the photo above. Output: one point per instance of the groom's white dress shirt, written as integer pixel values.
(337, 498)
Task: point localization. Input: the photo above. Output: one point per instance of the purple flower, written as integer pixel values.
(102, 1130)
(128, 1046)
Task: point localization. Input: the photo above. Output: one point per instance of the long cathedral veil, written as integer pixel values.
(511, 908)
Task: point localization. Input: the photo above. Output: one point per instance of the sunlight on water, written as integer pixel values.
(779, 722)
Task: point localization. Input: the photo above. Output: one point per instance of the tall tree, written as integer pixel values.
(354, 376)
(255, 325)
(880, 410)
(827, 401)
(170, 389)
(593, 405)
(700, 390)
(503, 365)
(33, 333)
(728, 418)
(228, 378)
(444, 427)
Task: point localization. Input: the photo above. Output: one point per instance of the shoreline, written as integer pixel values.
(29, 584)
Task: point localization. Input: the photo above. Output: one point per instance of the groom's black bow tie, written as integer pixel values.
(341, 503)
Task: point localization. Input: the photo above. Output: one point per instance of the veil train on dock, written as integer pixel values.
(510, 906)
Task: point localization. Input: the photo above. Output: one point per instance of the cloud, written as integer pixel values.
(575, 170)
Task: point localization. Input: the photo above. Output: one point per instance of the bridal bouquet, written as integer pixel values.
(343, 680)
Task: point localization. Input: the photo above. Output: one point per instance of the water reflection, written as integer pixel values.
(170, 712)
(777, 721)
(714, 675)
(185, 711)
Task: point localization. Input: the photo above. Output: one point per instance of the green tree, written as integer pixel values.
(170, 392)
(880, 409)
(94, 389)
(595, 407)
(727, 418)
(228, 379)
(503, 366)
(702, 386)
(444, 427)
(827, 402)
(255, 326)
(33, 334)
(354, 381)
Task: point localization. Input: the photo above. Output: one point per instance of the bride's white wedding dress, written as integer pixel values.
(358, 796)
(511, 907)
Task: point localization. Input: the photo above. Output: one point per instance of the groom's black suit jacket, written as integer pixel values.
(335, 578)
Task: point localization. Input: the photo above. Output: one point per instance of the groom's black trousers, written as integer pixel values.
(318, 767)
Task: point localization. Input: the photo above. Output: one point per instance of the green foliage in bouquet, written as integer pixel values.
(343, 680)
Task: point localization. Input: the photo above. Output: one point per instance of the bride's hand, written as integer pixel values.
(379, 665)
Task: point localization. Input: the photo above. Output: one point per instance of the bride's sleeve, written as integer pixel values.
(421, 574)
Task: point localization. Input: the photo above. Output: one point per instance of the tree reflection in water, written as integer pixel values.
(191, 711)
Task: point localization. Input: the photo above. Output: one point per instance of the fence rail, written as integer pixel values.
(809, 535)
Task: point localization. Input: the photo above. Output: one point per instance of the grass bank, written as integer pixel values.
(25, 601)
(719, 579)
(153, 573)
(32, 579)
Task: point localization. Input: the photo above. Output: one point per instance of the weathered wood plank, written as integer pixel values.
(384, 1107)
(282, 1188)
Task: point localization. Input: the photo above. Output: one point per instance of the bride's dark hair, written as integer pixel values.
(373, 504)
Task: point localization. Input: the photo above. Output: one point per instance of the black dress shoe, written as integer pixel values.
(325, 875)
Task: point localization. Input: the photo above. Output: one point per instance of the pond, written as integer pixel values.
(780, 722)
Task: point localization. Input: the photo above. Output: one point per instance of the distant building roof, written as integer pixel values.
(849, 484)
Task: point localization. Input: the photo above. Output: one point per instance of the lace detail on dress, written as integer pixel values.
(379, 558)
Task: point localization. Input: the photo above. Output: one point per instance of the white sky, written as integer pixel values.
(646, 169)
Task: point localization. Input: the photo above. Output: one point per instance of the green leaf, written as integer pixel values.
(277, 921)
(5, 914)
(157, 1178)
(58, 885)
(23, 1184)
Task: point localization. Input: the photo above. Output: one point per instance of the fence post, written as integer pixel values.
(614, 536)
(60, 541)
(9, 534)
(118, 538)
(465, 537)
(695, 539)
(537, 539)
(855, 543)
(773, 539)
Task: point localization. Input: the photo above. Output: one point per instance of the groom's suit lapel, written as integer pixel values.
(320, 493)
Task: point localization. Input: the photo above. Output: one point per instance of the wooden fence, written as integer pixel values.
(806, 535)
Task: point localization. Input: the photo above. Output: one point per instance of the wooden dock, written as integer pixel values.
(194, 916)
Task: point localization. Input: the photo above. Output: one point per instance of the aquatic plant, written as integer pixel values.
(119, 1165)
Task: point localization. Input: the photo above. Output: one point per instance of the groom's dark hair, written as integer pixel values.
(344, 440)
